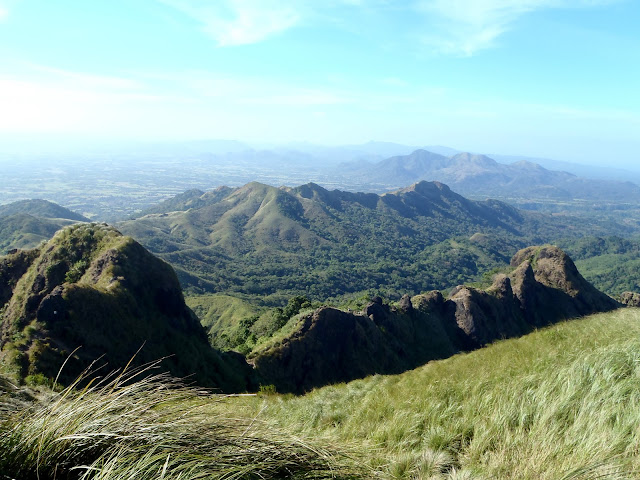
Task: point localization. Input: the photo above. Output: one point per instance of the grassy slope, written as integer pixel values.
(151, 428)
(218, 313)
(538, 407)
(560, 403)
(25, 231)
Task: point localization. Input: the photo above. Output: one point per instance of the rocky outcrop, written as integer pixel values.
(487, 315)
(630, 299)
(550, 288)
(92, 294)
(332, 346)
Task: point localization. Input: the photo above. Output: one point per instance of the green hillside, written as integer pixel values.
(611, 264)
(40, 208)
(22, 230)
(275, 243)
(560, 403)
(26, 223)
(92, 294)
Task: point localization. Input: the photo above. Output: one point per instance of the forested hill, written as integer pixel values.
(26, 223)
(277, 242)
(40, 208)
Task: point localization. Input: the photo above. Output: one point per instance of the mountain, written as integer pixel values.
(26, 231)
(330, 345)
(26, 223)
(481, 176)
(273, 243)
(193, 198)
(581, 170)
(92, 294)
(40, 208)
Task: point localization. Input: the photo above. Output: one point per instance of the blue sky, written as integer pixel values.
(551, 78)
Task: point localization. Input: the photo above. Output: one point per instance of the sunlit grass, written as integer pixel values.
(563, 402)
(148, 427)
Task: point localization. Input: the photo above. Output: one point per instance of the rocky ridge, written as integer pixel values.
(330, 345)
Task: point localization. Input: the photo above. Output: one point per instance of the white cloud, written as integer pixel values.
(240, 22)
(3, 13)
(54, 100)
(464, 27)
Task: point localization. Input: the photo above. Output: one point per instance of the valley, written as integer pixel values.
(114, 184)
(336, 307)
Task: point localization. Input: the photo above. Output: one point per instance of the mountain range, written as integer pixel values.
(112, 185)
(265, 241)
(479, 176)
(93, 295)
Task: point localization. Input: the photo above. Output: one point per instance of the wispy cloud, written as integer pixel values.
(464, 27)
(3, 13)
(240, 22)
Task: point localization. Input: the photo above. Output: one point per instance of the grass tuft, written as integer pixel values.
(137, 424)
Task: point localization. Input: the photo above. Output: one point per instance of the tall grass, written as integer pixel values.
(142, 426)
(561, 403)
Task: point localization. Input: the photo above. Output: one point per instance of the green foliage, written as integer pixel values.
(233, 324)
(271, 244)
(267, 390)
(294, 306)
(76, 271)
(611, 264)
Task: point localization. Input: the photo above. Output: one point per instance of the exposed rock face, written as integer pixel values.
(12, 268)
(91, 287)
(335, 346)
(630, 299)
(488, 315)
(550, 288)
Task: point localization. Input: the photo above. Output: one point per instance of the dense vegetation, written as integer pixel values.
(234, 324)
(560, 403)
(273, 244)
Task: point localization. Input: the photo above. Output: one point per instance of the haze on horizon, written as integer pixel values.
(543, 78)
